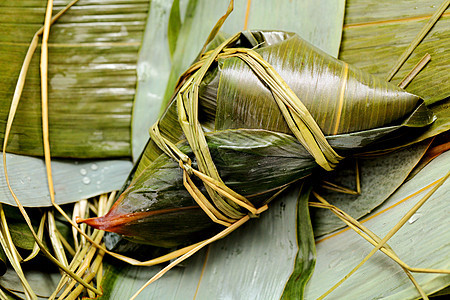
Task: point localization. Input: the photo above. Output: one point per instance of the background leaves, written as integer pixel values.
(375, 35)
(93, 53)
(422, 242)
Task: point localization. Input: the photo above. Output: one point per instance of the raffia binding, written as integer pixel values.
(228, 206)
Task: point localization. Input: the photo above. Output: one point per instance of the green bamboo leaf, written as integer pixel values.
(239, 287)
(73, 179)
(93, 55)
(255, 255)
(441, 293)
(318, 82)
(306, 256)
(420, 243)
(174, 25)
(293, 16)
(373, 42)
(299, 17)
(266, 239)
(119, 280)
(200, 17)
(153, 70)
(85, 44)
(442, 124)
(248, 161)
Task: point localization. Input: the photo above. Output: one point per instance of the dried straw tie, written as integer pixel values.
(228, 206)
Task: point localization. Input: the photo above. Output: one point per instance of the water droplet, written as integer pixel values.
(414, 218)
(94, 167)
(334, 264)
(98, 182)
(29, 179)
(83, 171)
(86, 180)
(22, 181)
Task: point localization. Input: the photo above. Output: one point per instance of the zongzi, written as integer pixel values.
(251, 116)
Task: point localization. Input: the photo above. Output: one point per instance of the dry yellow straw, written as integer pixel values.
(399, 225)
(420, 36)
(13, 109)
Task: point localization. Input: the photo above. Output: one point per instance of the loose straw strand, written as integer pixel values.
(218, 236)
(420, 36)
(13, 109)
(394, 230)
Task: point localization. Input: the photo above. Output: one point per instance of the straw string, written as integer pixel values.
(228, 206)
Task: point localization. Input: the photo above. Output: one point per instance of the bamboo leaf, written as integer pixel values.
(298, 17)
(237, 287)
(153, 70)
(293, 16)
(93, 54)
(174, 25)
(85, 44)
(306, 256)
(376, 185)
(43, 283)
(374, 41)
(420, 243)
(239, 255)
(74, 180)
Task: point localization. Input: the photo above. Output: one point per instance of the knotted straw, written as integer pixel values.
(228, 206)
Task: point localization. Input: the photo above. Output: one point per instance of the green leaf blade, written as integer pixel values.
(306, 256)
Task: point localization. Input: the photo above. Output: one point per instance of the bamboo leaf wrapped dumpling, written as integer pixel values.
(236, 127)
